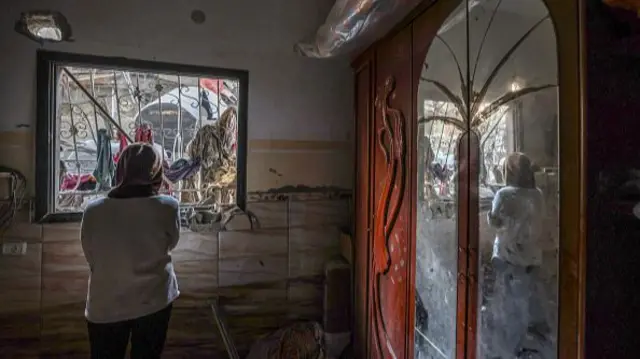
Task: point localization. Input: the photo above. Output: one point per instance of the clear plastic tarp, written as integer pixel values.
(355, 24)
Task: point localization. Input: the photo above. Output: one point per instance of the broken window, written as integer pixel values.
(94, 107)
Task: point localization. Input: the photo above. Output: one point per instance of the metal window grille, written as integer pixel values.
(120, 102)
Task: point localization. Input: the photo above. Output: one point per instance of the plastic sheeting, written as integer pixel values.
(354, 24)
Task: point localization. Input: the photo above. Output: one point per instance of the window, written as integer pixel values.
(441, 128)
(90, 108)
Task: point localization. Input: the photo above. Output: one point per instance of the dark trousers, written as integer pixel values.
(148, 334)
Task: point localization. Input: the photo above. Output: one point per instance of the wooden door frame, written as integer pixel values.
(566, 17)
(363, 195)
(568, 21)
(424, 29)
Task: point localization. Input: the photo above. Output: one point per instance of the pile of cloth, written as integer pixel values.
(208, 166)
(178, 170)
(304, 340)
(78, 182)
(214, 148)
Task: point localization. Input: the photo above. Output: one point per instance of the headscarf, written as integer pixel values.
(139, 172)
(519, 171)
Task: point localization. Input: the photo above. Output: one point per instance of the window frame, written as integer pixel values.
(46, 155)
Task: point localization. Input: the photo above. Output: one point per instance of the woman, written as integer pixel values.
(127, 238)
(516, 303)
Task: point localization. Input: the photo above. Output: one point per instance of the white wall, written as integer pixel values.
(290, 97)
(300, 110)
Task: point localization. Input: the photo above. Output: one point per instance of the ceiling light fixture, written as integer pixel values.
(44, 26)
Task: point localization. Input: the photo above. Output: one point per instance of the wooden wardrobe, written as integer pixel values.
(390, 112)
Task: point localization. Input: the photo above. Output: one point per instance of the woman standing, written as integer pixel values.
(517, 310)
(127, 238)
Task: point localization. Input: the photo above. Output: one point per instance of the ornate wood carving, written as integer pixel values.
(388, 252)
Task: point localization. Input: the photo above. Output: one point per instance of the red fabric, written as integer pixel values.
(71, 181)
(144, 134)
(212, 85)
(123, 144)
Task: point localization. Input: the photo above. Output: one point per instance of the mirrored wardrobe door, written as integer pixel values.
(442, 172)
(513, 112)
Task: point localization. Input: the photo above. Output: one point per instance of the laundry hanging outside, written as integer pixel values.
(192, 121)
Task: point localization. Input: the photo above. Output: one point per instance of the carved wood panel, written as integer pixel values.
(385, 194)
(391, 239)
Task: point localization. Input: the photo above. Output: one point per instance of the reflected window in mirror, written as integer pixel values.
(91, 108)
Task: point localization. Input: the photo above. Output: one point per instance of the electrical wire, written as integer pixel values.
(10, 207)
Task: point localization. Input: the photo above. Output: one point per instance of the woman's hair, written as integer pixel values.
(519, 171)
(139, 172)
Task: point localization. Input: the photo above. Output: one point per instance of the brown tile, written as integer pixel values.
(20, 304)
(17, 326)
(254, 310)
(24, 348)
(22, 229)
(193, 349)
(19, 332)
(311, 248)
(195, 262)
(191, 331)
(319, 213)
(64, 274)
(252, 256)
(61, 232)
(238, 221)
(270, 214)
(64, 332)
(305, 297)
(20, 281)
(265, 297)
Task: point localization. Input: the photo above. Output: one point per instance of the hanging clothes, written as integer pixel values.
(123, 143)
(80, 182)
(206, 104)
(228, 128)
(214, 146)
(105, 168)
(144, 133)
(182, 169)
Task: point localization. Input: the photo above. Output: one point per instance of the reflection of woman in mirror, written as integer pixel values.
(517, 215)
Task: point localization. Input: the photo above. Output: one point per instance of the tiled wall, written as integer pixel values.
(265, 277)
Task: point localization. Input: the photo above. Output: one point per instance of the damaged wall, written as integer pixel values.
(300, 117)
(266, 278)
(300, 110)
